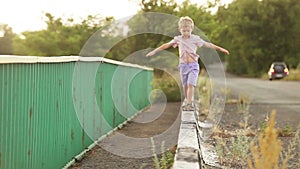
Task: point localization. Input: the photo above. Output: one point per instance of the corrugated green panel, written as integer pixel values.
(34, 109)
(119, 93)
(50, 112)
(139, 99)
(107, 102)
(125, 92)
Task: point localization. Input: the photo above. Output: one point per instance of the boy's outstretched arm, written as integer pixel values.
(213, 46)
(162, 47)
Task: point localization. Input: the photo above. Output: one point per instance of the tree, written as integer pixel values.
(146, 29)
(161, 17)
(60, 38)
(6, 40)
(259, 33)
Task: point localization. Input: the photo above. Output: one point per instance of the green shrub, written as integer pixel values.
(168, 85)
(204, 88)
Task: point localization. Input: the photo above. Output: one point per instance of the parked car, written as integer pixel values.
(278, 70)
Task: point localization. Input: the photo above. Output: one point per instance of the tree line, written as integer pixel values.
(256, 32)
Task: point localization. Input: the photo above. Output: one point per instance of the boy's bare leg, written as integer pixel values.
(190, 93)
(185, 91)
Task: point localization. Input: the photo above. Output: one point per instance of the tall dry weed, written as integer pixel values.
(266, 154)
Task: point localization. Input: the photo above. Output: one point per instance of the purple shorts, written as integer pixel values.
(189, 73)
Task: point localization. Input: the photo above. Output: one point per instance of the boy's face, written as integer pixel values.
(186, 31)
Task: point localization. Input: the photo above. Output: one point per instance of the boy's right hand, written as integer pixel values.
(150, 54)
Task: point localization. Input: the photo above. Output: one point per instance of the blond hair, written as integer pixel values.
(185, 21)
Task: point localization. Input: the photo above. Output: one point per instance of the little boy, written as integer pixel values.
(188, 58)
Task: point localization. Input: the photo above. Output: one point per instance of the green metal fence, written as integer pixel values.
(51, 109)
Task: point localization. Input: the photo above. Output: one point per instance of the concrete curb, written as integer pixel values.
(187, 153)
(194, 149)
(207, 147)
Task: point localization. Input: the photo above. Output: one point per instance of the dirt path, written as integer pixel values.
(128, 156)
(167, 125)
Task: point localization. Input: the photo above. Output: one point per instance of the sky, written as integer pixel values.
(29, 15)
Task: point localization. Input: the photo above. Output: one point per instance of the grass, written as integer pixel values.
(233, 146)
(233, 151)
(294, 75)
(166, 160)
(204, 88)
(262, 147)
(294, 146)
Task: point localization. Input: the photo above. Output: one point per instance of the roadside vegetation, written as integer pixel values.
(246, 146)
(167, 84)
(166, 158)
(294, 74)
(262, 147)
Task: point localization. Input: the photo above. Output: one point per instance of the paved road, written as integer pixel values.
(279, 93)
(264, 91)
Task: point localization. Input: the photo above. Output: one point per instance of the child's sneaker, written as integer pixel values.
(184, 103)
(188, 107)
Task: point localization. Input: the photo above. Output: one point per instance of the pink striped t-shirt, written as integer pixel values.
(188, 45)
